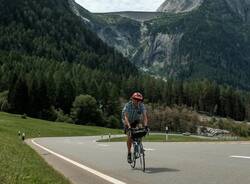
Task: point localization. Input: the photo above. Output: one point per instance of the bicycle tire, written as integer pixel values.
(133, 157)
(142, 159)
(143, 162)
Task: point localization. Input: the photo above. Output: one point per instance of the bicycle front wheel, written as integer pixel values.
(133, 157)
(142, 159)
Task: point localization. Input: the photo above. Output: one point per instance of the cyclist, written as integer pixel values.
(133, 112)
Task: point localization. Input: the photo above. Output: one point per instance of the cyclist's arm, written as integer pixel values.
(145, 119)
(126, 120)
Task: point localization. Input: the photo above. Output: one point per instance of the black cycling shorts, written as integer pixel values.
(133, 125)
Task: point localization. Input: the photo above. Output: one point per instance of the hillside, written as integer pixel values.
(210, 42)
(49, 29)
(188, 40)
(48, 56)
(19, 163)
(138, 16)
(179, 6)
(53, 65)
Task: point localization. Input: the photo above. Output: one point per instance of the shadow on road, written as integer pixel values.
(153, 170)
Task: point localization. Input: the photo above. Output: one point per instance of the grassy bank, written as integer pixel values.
(19, 164)
(162, 138)
(172, 138)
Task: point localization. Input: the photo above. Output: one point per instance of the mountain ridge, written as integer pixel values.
(179, 6)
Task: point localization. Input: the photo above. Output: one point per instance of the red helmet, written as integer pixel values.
(137, 96)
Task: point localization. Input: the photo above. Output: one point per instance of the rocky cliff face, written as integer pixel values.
(179, 6)
(157, 53)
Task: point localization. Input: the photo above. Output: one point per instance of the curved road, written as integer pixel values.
(84, 161)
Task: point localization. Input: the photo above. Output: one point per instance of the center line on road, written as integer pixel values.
(234, 156)
(97, 173)
(103, 145)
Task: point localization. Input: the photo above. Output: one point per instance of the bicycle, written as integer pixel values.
(138, 152)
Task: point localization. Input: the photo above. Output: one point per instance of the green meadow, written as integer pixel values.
(19, 164)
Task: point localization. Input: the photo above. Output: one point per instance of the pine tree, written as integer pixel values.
(18, 96)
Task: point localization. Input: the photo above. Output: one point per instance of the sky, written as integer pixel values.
(120, 5)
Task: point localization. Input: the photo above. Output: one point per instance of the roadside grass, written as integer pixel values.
(161, 138)
(19, 164)
(171, 138)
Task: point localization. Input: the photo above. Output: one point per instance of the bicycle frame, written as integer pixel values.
(138, 152)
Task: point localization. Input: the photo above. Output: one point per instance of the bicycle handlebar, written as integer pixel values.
(138, 129)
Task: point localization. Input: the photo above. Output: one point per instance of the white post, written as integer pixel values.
(109, 136)
(166, 129)
(166, 133)
(23, 136)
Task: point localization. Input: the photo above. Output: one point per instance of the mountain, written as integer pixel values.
(240, 8)
(49, 56)
(54, 66)
(212, 42)
(49, 29)
(189, 39)
(178, 6)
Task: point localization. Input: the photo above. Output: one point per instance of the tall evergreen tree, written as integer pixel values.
(18, 96)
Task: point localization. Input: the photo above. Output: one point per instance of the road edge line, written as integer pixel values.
(234, 156)
(95, 172)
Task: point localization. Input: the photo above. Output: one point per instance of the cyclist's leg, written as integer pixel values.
(129, 138)
(133, 125)
(129, 141)
(129, 145)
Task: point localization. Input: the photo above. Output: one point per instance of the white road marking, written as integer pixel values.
(97, 173)
(149, 149)
(67, 141)
(103, 145)
(80, 143)
(234, 156)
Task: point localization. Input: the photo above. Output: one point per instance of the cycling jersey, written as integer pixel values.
(134, 112)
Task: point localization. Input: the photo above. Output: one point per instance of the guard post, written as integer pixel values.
(23, 136)
(166, 129)
(109, 136)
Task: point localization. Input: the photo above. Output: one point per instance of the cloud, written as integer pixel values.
(120, 5)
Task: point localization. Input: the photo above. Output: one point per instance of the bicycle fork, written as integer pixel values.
(138, 150)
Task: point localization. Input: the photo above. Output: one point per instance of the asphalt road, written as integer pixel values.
(84, 161)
